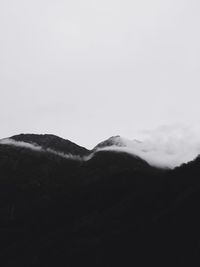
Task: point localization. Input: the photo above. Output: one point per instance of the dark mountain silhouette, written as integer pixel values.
(109, 209)
(53, 142)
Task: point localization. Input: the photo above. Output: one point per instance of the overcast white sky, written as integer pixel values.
(86, 70)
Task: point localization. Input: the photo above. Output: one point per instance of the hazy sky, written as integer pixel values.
(86, 70)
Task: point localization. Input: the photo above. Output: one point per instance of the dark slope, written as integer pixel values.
(53, 142)
(112, 210)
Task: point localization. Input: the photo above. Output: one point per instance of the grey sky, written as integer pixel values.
(86, 70)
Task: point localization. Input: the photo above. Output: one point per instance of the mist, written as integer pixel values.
(165, 146)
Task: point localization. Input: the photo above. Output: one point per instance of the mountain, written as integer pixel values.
(112, 141)
(117, 141)
(103, 208)
(52, 142)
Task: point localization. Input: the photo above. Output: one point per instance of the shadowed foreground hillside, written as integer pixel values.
(112, 209)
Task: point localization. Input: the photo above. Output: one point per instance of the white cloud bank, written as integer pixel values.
(166, 146)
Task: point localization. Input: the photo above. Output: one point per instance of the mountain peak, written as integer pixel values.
(51, 141)
(116, 140)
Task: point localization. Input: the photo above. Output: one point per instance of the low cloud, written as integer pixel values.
(11, 142)
(166, 146)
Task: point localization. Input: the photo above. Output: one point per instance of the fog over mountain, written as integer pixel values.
(165, 147)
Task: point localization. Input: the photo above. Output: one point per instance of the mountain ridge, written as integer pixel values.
(163, 158)
(53, 142)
